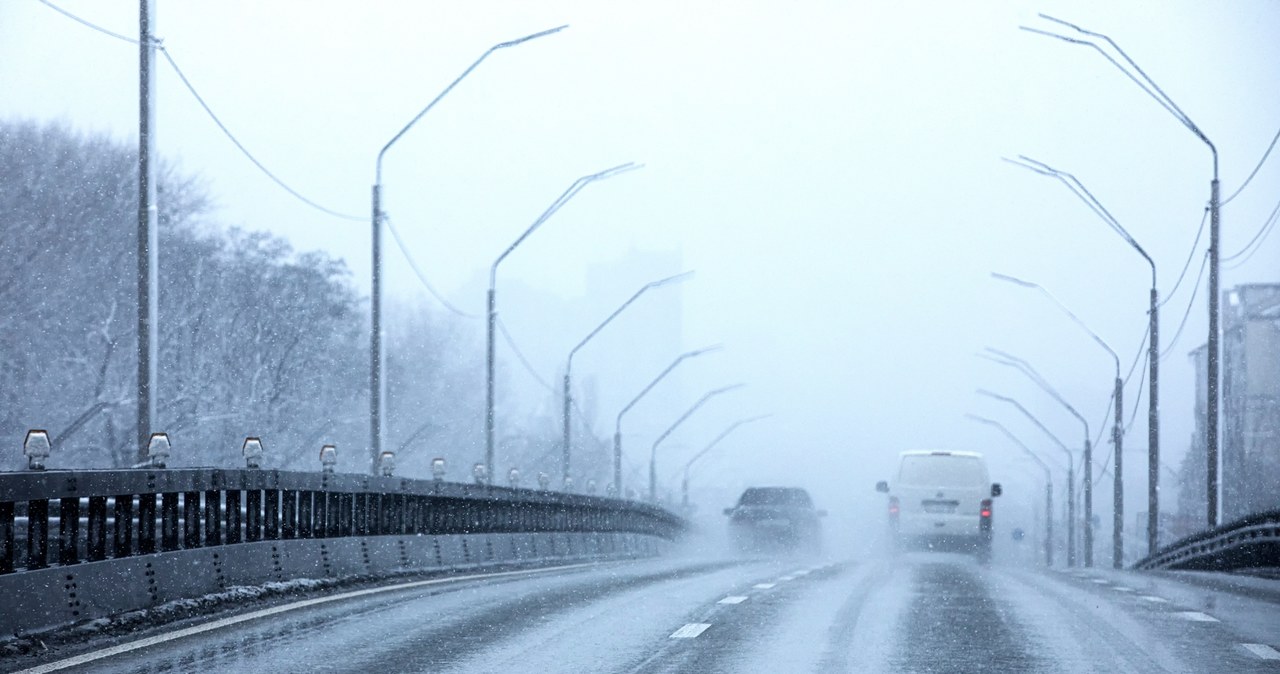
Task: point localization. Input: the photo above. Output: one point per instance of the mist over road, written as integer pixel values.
(917, 612)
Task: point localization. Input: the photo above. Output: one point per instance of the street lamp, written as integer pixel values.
(684, 483)
(377, 383)
(568, 368)
(560, 201)
(1117, 427)
(1153, 349)
(1005, 358)
(1071, 472)
(653, 451)
(1048, 483)
(1153, 90)
(617, 429)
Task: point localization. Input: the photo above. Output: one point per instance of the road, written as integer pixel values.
(918, 612)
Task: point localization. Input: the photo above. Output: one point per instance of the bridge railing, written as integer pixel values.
(69, 517)
(1247, 543)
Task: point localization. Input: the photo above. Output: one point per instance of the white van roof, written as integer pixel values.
(941, 452)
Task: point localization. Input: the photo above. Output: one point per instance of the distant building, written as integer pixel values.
(1250, 426)
(1250, 400)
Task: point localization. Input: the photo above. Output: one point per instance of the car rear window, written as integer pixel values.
(781, 496)
(941, 470)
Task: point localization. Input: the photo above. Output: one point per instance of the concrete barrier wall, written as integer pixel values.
(44, 599)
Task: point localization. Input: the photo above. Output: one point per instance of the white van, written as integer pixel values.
(942, 500)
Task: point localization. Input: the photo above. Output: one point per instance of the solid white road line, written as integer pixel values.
(732, 599)
(1154, 599)
(1196, 616)
(690, 631)
(1262, 651)
(94, 656)
(764, 586)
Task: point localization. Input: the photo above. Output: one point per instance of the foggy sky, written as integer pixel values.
(831, 170)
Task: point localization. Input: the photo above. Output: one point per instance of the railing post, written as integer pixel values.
(122, 531)
(305, 521)
(333, 518)
(169, 521)
(253, 515)
(7, 541)
(69, 530)
(233, 516)
(346, 515)
(289, 519)
(146, 524)
(96, 536)
(191, 519)
(271, 515)
(37, 534)
(212, 517)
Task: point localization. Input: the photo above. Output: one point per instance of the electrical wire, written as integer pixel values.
(245, 151)
(1257, 239)
(1191, 302)
(84, 22)
(1190, 256)
(1262, 161)
(422, 278)
(158, 44)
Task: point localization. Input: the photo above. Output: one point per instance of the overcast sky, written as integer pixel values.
(831, 170)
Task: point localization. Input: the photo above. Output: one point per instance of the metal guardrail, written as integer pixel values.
(1248, 543)
(85, 544)
(110, 514)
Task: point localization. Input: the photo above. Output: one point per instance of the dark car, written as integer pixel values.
(775, 519)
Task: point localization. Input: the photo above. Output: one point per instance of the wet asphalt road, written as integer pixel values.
(914, 613)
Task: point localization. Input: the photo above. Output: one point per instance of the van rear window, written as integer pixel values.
(941, 470)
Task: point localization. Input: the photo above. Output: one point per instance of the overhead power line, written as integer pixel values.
(422, 278)
(1262, 161)
(1258, 239)
(208, 110)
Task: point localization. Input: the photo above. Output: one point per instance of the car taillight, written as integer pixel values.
(986, 508)
(893, 506)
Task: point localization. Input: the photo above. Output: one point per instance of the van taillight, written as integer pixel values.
(893, 506)
(986, 508)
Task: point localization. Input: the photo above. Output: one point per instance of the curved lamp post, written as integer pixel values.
(1048, 483)
(1117, 427)
(1008, 359)
(653, 451)
(560, 201)
(1071, 471)
(1153, 90)
(377, 383)
(684, 483)
(568, 367)
(617, 429)
(1153, 333)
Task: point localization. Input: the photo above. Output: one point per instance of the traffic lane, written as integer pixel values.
(425, 628)
(913, 613)
(616, 630)
(1085, 622)
(947, 613)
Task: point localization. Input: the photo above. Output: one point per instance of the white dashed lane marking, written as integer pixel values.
(787, 578)
(1101, 581)
(1122, 589)
(1154, 600)
(732, 599)
(1262, 651)
(690, 631)
(1196, 616)
(764, 586)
